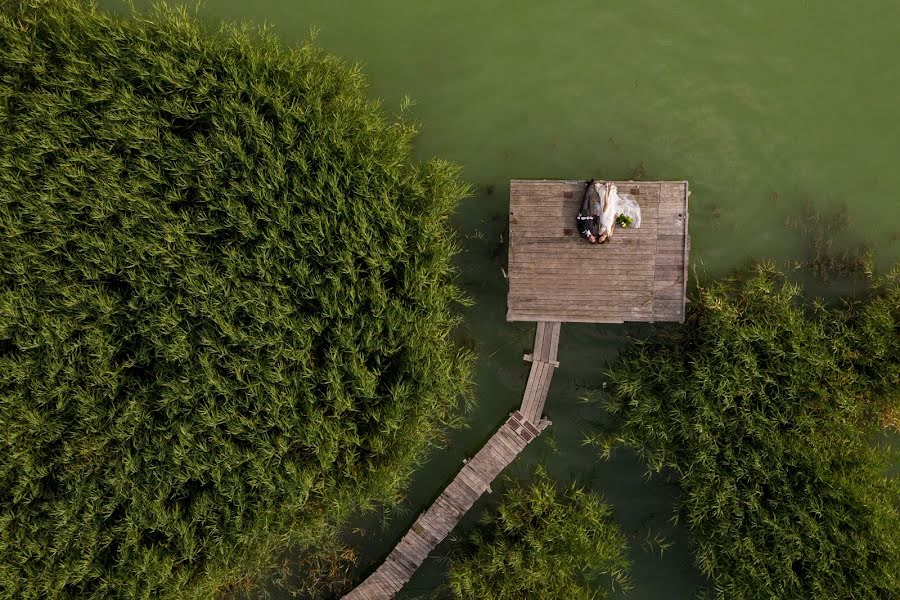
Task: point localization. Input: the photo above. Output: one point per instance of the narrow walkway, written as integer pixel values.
(473, 479)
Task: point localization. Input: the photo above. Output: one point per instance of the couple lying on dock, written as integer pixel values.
(603, 208)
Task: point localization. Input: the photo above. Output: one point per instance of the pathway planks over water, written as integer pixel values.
(555, 275)
(433, 525)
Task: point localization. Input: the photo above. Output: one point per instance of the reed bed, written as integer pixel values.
(226, 296)
(542, 542)
(765, 408)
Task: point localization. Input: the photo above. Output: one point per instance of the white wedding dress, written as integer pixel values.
(616, 204)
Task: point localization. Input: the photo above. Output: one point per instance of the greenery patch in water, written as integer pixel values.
(542, 542)
(765, 409)
(826, 261)
(225, 300)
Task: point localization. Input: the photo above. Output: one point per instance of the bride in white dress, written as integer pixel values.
(612, 205)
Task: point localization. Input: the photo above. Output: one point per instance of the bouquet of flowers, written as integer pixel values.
(624, 221)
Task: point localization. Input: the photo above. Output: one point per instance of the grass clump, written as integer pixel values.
(765, 408)
(225, 299)
(542, 542)
(824, 260)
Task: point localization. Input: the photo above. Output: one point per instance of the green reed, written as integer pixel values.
(765, 408)
(226, 298)
(824, 260)
(542, 542)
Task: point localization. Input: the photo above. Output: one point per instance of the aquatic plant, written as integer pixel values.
(541, 542)
(824, 260)
(226, 296)
(764, 409)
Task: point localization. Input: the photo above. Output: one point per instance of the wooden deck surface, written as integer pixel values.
(475, 477)
(555, 275)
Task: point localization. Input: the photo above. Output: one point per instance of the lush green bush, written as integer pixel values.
(765, 410)
(541, 542)
(225, 300)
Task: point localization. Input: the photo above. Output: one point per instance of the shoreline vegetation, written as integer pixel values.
(226, 299)
(763, 408)
(541, 542)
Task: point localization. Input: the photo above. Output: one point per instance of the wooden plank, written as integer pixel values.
(393, 580)
(390, 577)
(538, 410)
(398, 571)
(438, 524)
(621, 277)
(412, 552)
(513, 438)
(529, 427)
(425, 527)
(508, 444)
(581, 316)
(497, 456)
(447, 513)
(548, 341)
(393, 574)
(443, 521)
(484, 468)
(586, 296)
(367, 591)
(687, 244)
(583, 305)
(528, 396)
(380, 590)
(408, 565)
(480, 468)
(420, 542)
(569, 265)
(392, 584)
(531, 387)
(572, 318)
(460, 495)
(510, 440)
(470, 478)
(403, 570)
(539, 335)
(509, 453)
(492, 462)
(527, 286)
(589, 305)
(467, 487)
(509, 431)
(586, 304)
(495, 447)
(554, 341)
(571, 251)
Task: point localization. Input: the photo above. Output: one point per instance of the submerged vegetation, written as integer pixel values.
(225, 303)
(542, 542)
(765, 410)
(824, 260)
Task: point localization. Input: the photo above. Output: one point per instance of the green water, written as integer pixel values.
(760, 105)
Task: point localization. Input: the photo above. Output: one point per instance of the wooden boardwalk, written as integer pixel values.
(555, 275)
(433, 525)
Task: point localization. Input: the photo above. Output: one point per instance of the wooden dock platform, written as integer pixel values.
(475, 477)
(555, 275)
